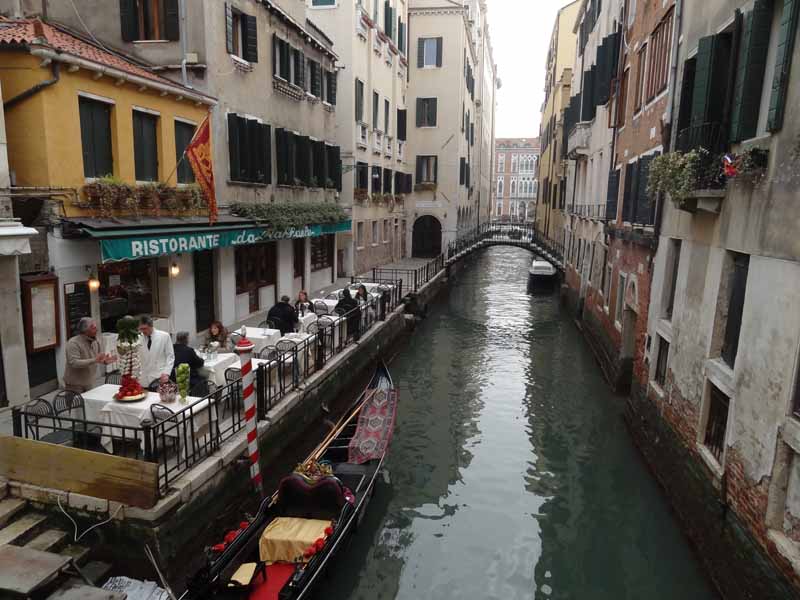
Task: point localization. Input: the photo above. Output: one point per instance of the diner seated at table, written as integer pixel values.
(303, 305)
(285, 314)
(184, 353)
(156, 356)
(217, 333)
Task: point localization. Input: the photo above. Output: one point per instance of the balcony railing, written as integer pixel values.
(578, 141)
(377, 43)
(363, 135)
(590, 211)
(387, 146)
(377, 141)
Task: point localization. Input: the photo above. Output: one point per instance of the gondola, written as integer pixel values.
(282, 553)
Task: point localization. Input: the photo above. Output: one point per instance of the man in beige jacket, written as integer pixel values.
(84, 353)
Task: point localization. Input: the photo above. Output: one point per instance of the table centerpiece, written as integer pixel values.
(128, 344)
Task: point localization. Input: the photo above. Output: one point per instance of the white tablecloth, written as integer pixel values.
(331, 304)
(110, 347)
(214, 368)
(306, 320)
(101, 407)
(261, 337)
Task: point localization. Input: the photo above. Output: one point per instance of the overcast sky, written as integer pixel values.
(520, 32)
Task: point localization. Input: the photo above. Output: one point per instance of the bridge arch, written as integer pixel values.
(426, 239)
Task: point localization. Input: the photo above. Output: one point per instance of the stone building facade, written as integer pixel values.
(516, 179)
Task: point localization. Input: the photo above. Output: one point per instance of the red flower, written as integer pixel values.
(310, 552)
(230, 536)
(319, 544)
(218, 547)
(329, 531)
(243, 525)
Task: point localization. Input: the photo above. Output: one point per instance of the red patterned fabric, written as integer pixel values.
(375, 427)
(198, 153)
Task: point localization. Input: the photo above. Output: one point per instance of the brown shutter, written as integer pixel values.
(129, 24)
(172, 27)
(229, 28)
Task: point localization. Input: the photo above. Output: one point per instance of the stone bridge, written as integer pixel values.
(521, 236)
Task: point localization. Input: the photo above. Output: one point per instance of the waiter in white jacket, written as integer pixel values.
(156, 356)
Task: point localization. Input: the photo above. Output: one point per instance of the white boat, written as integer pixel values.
(542, 274)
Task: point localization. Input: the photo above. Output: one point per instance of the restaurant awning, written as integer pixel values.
(14, 238)
(149, 237)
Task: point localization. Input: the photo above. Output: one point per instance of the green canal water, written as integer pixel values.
(511, 474)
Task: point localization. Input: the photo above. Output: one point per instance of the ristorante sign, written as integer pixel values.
(134, 248)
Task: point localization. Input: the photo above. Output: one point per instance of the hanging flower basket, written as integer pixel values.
(149, 199)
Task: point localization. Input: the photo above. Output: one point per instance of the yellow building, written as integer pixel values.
(551, 202)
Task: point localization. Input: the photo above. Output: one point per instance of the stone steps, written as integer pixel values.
(96, 571)
(18, 530)
(9, 508)
(79, 554)
(50, 540)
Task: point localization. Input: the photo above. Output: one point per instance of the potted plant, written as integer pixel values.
(114, 194)
(90, 196)
(149, 199)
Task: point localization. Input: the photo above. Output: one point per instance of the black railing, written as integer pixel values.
(411, 280)
(183, 435)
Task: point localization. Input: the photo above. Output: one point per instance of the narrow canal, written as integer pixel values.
(511, 473)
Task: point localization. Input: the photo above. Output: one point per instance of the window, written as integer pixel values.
(661, 363)
(641, 64)
(717, 422)
(241, 34)
(131, 287)
(607, 285)
(315, 78)
(375, 239)
(672, 275)
(323, 2)
(429, 52)
(620, 298)
(149, 20)
(376, 100)
(359, 101)
(387, 181)
(362, 176)
(388, 19)
(299, 255)
(426, 112)
(402, 125)
(256, 267)
(501, 162)
(96, 137)
(500, 184)
(250, 150)
(736, 295)
(783, 64)
(282, 58)
(334, 167)
(513, 188)
(360, 234)
(145, 146)
(622, 99)
(386, 109)
(377, 179)
(427, 169)
(298, 68)
(322, 249)
(386, 231)
(184, 132)
(514, 164)
(330, 87)
(660, 45)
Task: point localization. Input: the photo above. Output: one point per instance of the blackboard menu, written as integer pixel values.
(322, 252)
(78, 303)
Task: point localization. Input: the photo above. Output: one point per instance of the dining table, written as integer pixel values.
(101, 407)
(303, 321)
(260, 336)
(215, 365)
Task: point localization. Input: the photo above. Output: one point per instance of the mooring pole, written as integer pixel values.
(244, 348)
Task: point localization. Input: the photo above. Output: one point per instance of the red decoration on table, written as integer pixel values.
(128, 387)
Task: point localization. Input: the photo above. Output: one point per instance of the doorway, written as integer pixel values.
(427, 237)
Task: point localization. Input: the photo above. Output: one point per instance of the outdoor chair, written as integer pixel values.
(162, 414)
(203, 388)
(320, 308)
(71, 405)
(41, 410)
(232, 400)
(267, 353)
(312, 328)
(114, 378)
(264, 325)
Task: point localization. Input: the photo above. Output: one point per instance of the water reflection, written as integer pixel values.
(511, 473)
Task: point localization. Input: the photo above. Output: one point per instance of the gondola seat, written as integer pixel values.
(322, 499)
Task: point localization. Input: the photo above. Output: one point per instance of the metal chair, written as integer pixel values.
(69, 402)
(40, 409)
(320, 308)
(312, 328)
(264, 324)
(161, 414)
(203, 388)
(284, 347)
(114, 378)
(233, 382)
(267, 353)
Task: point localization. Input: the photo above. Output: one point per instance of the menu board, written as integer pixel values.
(322, 252)
(40, 311)
(77, 304)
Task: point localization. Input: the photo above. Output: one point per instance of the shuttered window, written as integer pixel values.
(241, 34)
(588, 105)
(298, 68)
(660, 44)
(426, 112)
(612, 195)
(752, 63)
(96, 138)
(149, 20)
(330, 87)
(402, 125)
(386, 118)
(644, 212)
(359, 101)
(631, 191)
(145, 146)
(736, 296)
(375, 110)
(320, 168)
(401, 36)
(282, 58)
(783, 64)
(387, 181)
(388, 19)
(462, 171)
(315, 78)
(622, 99)
(362, 176)
(184, 132)
(429, 52)
(250, 150)
(334, 167)
(641, 66)
(427, 169)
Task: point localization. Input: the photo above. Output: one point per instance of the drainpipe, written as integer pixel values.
(32, 91)
(183, 32)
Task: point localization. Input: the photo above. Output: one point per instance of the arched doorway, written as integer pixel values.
(427, 237)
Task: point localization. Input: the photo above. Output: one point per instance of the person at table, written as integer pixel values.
(184, 353)
(347, 306)
(84, 352)
(156, 355)
(303, 304)
(284, 315)
(362, 297)
(217, 333)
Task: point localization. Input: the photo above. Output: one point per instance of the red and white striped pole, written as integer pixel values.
(244, 348)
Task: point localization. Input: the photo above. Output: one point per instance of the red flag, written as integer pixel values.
(198, 153)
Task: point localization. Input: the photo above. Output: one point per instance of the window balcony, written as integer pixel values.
(377, 43)
(578, 141)
(387, 146)
(361, 28)
(377, 141)
(363, 136)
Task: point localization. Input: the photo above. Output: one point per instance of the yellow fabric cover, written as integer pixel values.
(286, 538)
(244, 574)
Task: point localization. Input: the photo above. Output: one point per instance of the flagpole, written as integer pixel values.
(183, 154)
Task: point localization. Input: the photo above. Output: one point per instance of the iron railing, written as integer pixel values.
(195, 431)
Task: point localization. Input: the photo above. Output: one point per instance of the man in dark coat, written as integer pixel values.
(346, 306)
(184, 353)
(284, 315)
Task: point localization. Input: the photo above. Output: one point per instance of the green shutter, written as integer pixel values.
(172, 28)
(282, 158)
(750, 71)
(228, 28)
(702, 81)
(419, 170)
(129, 25)
(266, 134)
(250, 42)
(783, 64)
(420, 52)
